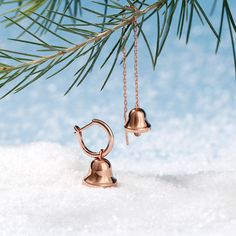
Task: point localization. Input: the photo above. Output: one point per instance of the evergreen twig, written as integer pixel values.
(47, 16)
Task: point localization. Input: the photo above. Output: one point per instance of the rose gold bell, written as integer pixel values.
(100, 171)
(137, 122)
(100, 174)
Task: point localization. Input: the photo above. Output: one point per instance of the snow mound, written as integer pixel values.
(42, 194)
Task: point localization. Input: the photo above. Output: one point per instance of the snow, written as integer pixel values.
(179, 179)
(171, 182)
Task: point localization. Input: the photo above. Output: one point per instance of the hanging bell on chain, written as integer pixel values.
(100, 171)
(137, 122)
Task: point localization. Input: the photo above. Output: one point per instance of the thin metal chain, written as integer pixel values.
(125, 86)
(125, 83)
(136, 62)
(135, 74)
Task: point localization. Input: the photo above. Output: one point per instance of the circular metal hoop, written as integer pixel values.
(103, 152)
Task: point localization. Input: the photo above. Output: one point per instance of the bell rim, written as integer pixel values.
(142, 130)
(107, 185)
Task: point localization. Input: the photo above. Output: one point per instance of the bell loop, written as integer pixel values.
(101, 154)
(110, 135)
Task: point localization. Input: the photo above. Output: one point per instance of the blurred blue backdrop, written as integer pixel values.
(191, 86)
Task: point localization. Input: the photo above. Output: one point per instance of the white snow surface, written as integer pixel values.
(185, 190)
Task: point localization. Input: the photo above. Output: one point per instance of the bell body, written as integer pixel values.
(137, 122)
(100, 174)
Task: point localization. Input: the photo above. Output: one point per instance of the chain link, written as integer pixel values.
(136, 62)
(125, 85)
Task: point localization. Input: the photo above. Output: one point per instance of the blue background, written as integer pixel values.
(191, 86)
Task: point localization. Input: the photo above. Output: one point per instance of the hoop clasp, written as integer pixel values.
(103, 152)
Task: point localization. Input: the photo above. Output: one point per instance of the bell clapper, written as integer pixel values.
(137, 122)
(100, 172)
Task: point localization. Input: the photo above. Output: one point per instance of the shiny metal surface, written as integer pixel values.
(110, 135)
(100, 174)
(137, 122)
(100, 171)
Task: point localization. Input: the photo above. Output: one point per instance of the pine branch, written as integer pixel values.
(31, 67)
(44, 6)
(56, 58)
